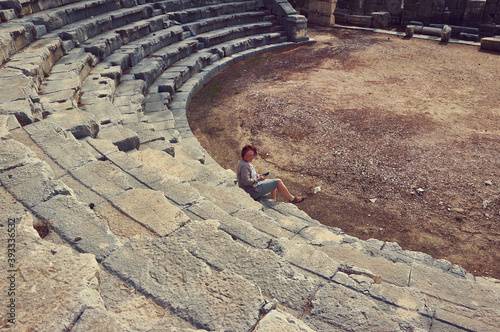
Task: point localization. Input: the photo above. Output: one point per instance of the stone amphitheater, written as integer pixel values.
(114, 218)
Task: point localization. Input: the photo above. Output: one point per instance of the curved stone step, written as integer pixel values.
(357, 282)
(60, 16)
(162, 209)
(52, 201)
(221, 11)
(15, 36)
(225, 34)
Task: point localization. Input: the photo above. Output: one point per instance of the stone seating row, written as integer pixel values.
(302, 244)
(348, 281)
(146, 47)
(92, 16)
(149, 69)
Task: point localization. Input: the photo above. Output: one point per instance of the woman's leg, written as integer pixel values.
(265, 187)
(283, 190)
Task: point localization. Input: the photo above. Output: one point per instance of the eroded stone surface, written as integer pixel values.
(72, 278)
(190, 288)
(152, 210)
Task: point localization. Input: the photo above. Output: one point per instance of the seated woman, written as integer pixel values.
(256, 184)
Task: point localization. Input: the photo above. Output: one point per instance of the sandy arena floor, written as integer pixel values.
(402, 135)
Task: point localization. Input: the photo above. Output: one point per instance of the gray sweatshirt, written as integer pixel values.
(247, 177)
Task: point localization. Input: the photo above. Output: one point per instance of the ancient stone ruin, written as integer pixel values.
(471, 20)
(114, 218)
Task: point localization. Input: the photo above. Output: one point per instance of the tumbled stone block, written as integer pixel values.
(381, 19)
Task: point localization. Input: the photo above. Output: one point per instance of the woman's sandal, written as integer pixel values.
(297, 199)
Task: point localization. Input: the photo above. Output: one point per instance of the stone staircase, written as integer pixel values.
(95, 143)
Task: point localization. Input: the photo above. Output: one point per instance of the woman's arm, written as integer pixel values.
(246, 176)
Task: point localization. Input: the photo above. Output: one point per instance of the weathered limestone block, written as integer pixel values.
(97, 93)
(277, 320)
(103, 45)
(104, 112)
(59, 144)
(136, 312)
(286, 209)
(449, 317)
(481, 297)
(15, 37)
(321, 236)
(395, 273)
(276, 278)
(33, 183)
(239, 229)
(264, 223)
(131, 88)
(306, 257)
(80, 123)
(347, 309)
(129, 104)
(97, 319)
(230, 199)
(105, 69)
(290, 223)
(162, 160)
(61, 81)
(72, 278)
(148, 69)
(123, 160)
(58, 101)
(76, 61)
(14, 85)
(145, 131)
(38, 58)
(103, 177)
(77, 224)
(7, 123)
(96, 82)
(186, 285)
(102, 147)
(14, 154)
(408, 301)
(22, 109)
(213, 175)
(182, 193)
(125, 139)
(152, 210)
(7, 15)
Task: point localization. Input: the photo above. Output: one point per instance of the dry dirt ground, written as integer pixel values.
(402, 135)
